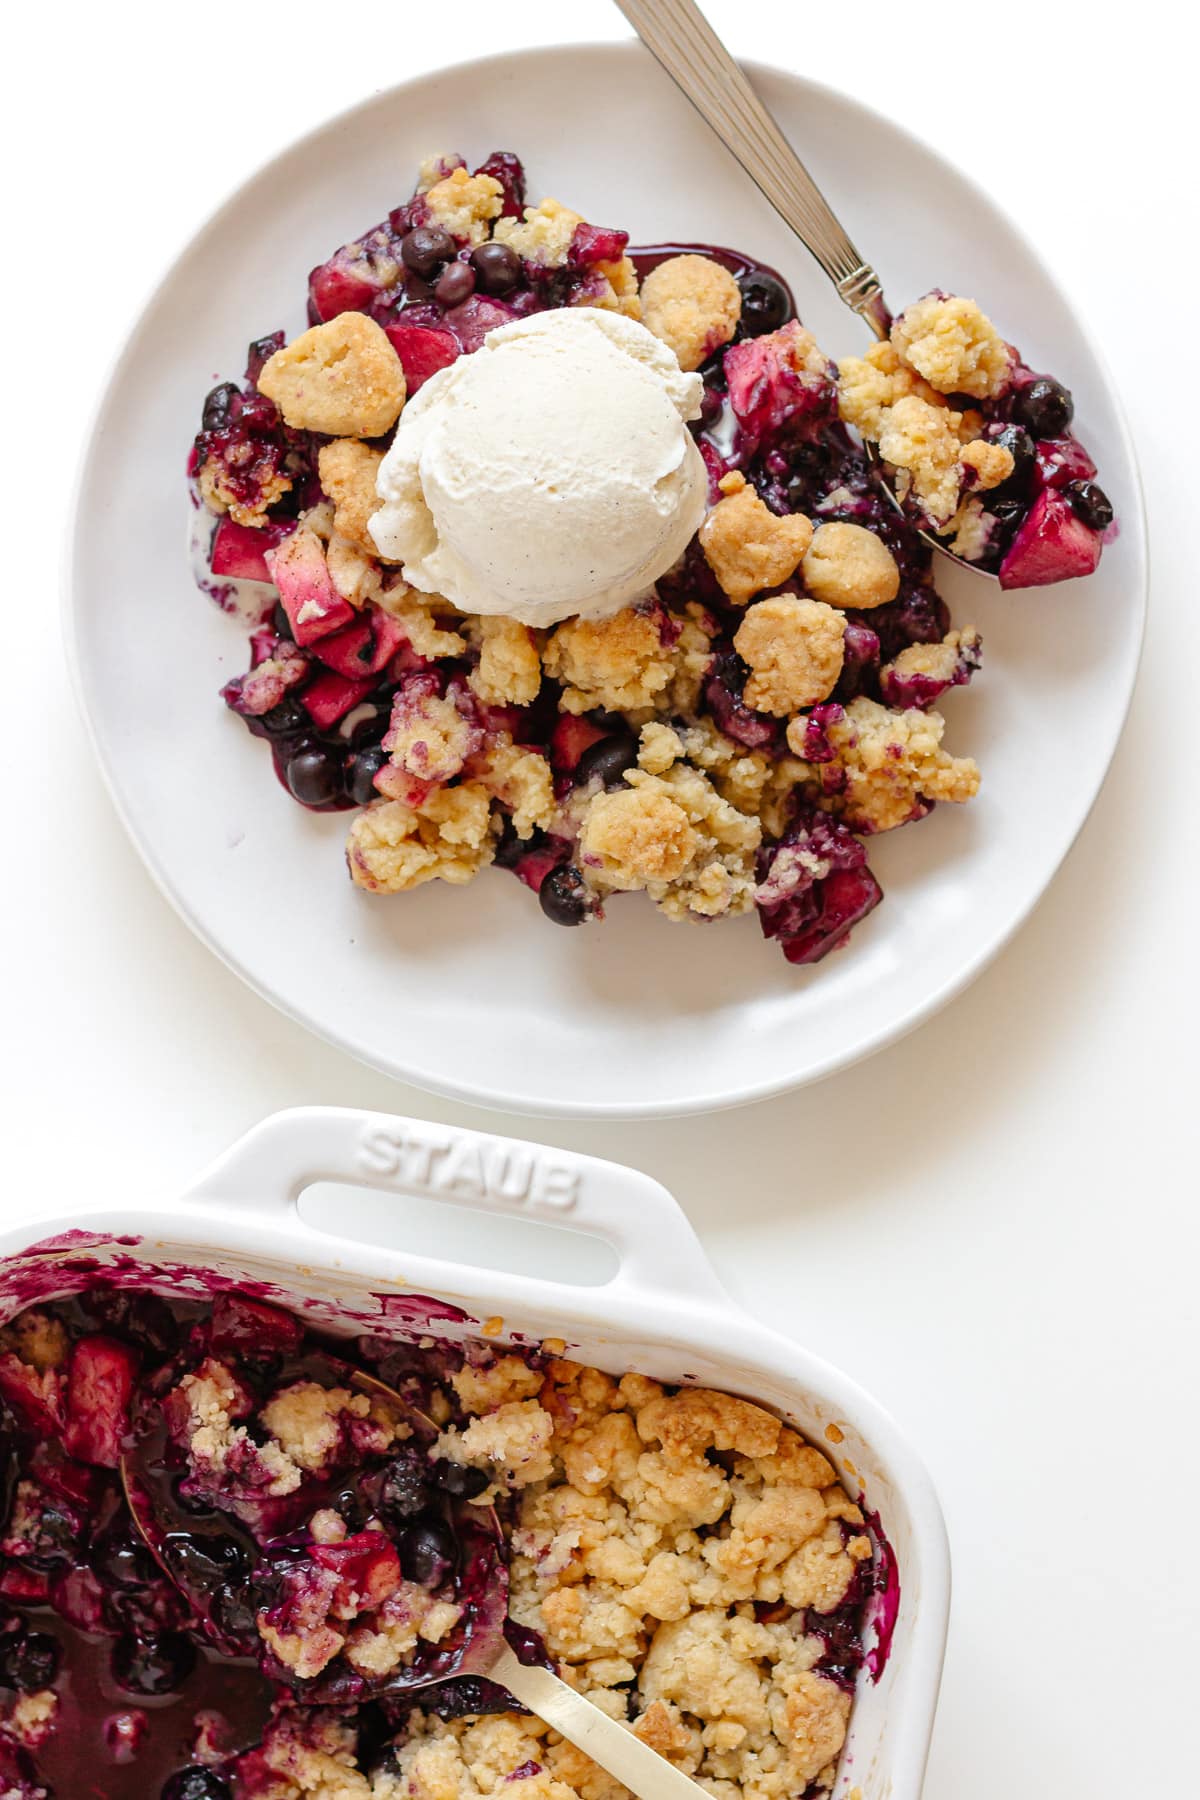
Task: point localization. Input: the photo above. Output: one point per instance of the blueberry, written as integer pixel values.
(461, 1482)
(455, 284)
(1045, 407)
(426, 1553)
(204, 1562)
(259, 352)
(281, 625)
(497, 268)
(363, 770)
(1023, 451)
(608, 759)
(510, 846)
(285, 720)
(563, 897)
(423, 249)
(195, 1784)
(314, 775)
(406, 1490)
(712, 372)
(1091, 504)
(234, 1610)
(766, 304)
(218, 406)
(31, 1662)
(158, 1665)
(712, 405)
(125, 1563)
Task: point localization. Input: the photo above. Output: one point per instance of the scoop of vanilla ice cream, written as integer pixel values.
(548, 475)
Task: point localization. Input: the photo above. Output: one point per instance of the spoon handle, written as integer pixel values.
(678, 34)
(608, 1743)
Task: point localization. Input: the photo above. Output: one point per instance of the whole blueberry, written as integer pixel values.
(363, 770)
(497, 268)
(30, 1662)
(426, 1553)
(195, 1784)
(423, 249)
(1045, 407)
(455, 284)
(1090, 503)
(510, 846)
(406, 1488)
(284, 720)
(153, 1665)
(218, 406)
(1020, 446)
(461, 1482)
(233, 1610)
(281, 625)
(125, 1562)
(563, 897)
(607, 759)
(766, 304)
(201, 1562)
(314, 775)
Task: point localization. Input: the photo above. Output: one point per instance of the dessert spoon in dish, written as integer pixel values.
(679, 36)
(480, 1648)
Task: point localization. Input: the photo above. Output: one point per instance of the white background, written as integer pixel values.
(992, 1225)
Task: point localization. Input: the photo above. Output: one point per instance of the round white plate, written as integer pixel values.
(469, 991)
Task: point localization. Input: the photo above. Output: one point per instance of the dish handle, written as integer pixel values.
(266, 1171)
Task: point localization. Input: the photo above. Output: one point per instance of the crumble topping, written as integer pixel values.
(311, 1423)
(923, 443)
(892, 765)
(465, 204)
(509, 672)
(673, 835)
(392, 847)
(747, 546)
(222, 483)
(952, 343)
(937, 662)
(794, 650)
(348, 468)
(521, 781)
(617, 664)
(542, 235)
(871, 384)
(37, 1340)
(847, 565)
(430, 737)
(693, 304)
(342, 379)
(992, 463)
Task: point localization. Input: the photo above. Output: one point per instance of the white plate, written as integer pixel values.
(469, 991)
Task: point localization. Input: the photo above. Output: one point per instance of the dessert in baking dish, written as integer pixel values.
(234, 1553)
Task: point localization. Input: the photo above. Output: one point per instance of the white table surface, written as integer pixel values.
(992, 1225)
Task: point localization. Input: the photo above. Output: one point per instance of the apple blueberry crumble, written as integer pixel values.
(242, 1561)
(570, 559)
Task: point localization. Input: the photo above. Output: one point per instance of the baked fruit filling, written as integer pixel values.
(733, 708)
(235, 1555)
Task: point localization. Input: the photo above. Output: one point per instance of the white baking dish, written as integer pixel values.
(664, 1312)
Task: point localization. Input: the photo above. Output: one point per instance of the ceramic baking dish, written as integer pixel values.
(664, 1312)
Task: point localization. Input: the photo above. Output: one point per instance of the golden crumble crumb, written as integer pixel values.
(747, 546)
(510, 669)
(542, 235)
(342, 378)
(869, 385)
(308, 1421)
(521, 780)
(347, 469)
(220, 495)
(619, 663)
(615, 288)
(954, 345)
(465, 205)
(636, 835)
(992, 463)
(36, 1339)
(392, 847)
(923, 443)
(893, 765)
(794, 649)
(512, 1443)
(693, 304)
(847, 565)
(937, 661)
